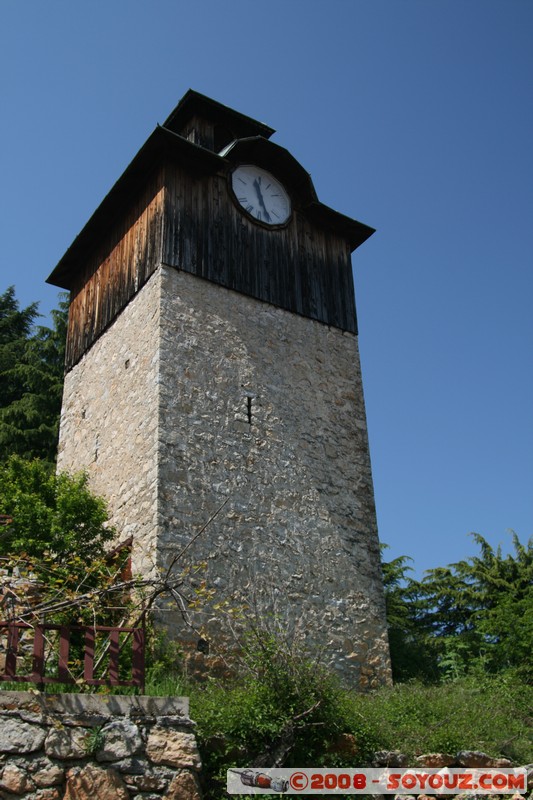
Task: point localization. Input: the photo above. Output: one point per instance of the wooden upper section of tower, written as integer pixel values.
(174, 205)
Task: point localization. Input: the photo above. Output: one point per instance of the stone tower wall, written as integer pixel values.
(264, 409)
(198, 396)
(109, 421)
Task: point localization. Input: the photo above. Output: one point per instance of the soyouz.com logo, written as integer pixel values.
(377, 781)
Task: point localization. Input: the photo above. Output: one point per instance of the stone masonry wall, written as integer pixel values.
(82, 747)
(264, 409)
(109, 421)
(197, 396)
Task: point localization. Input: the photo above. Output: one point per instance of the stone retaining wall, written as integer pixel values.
(83, 747)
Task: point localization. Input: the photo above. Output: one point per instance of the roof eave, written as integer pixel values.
(353, 231)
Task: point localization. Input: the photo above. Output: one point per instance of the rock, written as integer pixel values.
(91, 782)
(15, 780)
(150, 781)
(148, 796)
(46, 794)
(132, 766)
(475, 759)
(48, 774)
(502, 763)
(173, 748)
(122, 739)
(168, 721)
(435, 760)
(67, 743)
(20, 737)
(185, 786)
(389, 758)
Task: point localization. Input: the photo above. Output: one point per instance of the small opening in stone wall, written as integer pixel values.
(126, 363)
(249, 409)
(203, 646)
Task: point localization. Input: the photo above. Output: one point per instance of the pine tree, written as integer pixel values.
(15, 329)
(411, 645)
(472, 616)
(31, 379)
(480, 610)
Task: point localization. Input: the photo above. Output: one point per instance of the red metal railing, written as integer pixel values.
(57, 650)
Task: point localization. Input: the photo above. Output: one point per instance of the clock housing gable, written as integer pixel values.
(210, 124)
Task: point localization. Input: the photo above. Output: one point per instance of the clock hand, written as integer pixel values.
(260, 198)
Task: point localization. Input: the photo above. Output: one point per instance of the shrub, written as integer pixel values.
(283, 710)
(54, 513)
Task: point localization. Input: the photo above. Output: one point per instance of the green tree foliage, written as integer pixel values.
(31, 378)
(15, 329)
(412, 653)
(474, 615)
(480, 610)
(55, 514)
(56, 543)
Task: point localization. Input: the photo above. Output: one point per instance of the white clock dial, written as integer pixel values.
(261, 195)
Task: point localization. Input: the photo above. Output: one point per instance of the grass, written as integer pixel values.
(492, 714)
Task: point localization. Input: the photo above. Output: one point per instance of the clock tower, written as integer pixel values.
(212, 373)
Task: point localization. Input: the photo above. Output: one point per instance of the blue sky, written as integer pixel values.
(413, 116)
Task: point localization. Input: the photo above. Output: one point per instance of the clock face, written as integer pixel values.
(261, 195)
